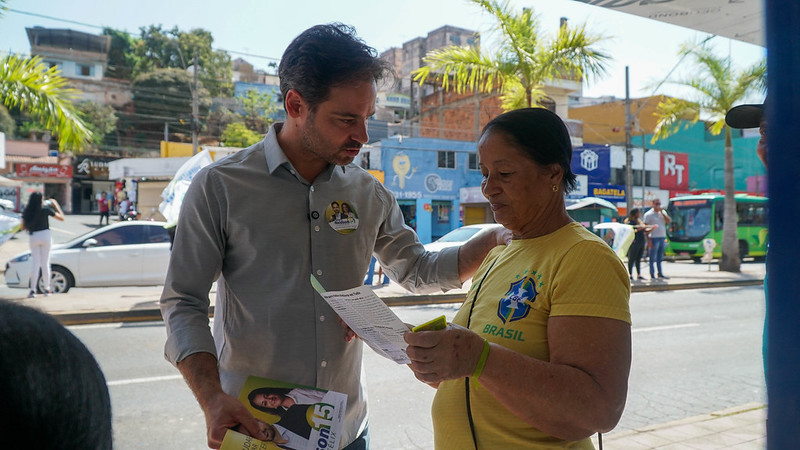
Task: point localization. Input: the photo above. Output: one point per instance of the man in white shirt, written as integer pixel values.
(657, 238)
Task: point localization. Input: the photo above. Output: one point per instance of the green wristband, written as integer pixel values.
(481, 361)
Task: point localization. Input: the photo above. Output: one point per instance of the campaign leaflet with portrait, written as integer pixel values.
(292, 416)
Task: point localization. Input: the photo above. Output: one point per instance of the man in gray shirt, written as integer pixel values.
(259, 223)
(657, 238)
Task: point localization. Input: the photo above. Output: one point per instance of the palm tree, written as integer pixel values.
(42, 93)
(717, 88)
(525, 60)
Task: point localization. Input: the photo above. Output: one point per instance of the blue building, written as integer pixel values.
(429, 177)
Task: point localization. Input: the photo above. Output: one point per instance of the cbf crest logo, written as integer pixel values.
(517, 302)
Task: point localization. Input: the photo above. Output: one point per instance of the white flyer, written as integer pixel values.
(370, 318)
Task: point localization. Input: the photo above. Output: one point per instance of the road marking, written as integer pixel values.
(63, 231)
(144, 380)
(665, 327)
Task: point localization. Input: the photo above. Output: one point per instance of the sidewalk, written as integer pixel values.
(96, 305)
(740, 428)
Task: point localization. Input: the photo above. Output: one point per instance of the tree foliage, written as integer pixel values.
(717, 87)
(157, 48)
(121, 57)
(39, 91)
(237, 134)
(257, 108)
(525, 60)
(7, 123)
(100, 119)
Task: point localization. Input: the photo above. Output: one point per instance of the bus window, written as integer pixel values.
(751, 214)
(691, 220)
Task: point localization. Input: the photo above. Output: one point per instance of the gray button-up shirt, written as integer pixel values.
(253, 221)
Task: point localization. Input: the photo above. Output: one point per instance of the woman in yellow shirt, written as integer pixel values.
(538, 356)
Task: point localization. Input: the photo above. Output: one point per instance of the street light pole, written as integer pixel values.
(628, 156)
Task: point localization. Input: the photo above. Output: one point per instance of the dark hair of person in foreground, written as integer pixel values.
(54, 395)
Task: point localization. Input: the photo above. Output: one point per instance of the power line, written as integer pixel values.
(58, 19)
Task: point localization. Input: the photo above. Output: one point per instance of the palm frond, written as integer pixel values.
(463, 67)
(672, 113)
(28, 84)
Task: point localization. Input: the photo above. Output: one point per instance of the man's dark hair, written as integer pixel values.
(326, 56)
(53, 392)
(541, 135)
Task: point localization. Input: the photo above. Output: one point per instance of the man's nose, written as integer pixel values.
(360, 133)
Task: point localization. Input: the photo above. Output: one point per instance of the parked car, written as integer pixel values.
(458, 236)
(127, 253)
(6, 205)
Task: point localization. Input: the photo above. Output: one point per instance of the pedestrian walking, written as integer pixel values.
(103, 207)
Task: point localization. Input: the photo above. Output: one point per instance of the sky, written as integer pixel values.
(264, 28)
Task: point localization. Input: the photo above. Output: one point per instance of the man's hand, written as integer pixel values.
(349, 334)
(472, 253)
(224, 412)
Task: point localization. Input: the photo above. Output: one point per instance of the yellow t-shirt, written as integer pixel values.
(570, 272)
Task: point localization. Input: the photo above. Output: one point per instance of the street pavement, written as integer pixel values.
(742, 427)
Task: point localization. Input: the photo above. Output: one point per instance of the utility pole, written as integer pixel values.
(644, 172)
(195, 106)
(411, 107)
(628, 156)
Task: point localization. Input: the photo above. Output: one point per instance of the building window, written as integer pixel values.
(84, 70)
(472, 161)
(651, 177)
(447, 160)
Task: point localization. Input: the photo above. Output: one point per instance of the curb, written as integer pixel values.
(154, 314)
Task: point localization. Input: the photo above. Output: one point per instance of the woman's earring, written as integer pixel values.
(555, 188)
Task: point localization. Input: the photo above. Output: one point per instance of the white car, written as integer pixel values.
(128, 253)
(6, 205)
(458, 236)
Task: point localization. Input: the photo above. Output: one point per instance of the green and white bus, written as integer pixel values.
(697, 217)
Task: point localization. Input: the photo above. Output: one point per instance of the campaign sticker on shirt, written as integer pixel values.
(342, 217)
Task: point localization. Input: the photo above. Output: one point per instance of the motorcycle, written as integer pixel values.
(131, 214)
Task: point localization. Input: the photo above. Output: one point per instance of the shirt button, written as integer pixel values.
(312, 188)
(323, 364)
(322, 318)
(319, 272)
(315, 215)
(292, 172)
(316, 228)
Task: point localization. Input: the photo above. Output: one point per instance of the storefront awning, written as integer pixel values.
(145, 167)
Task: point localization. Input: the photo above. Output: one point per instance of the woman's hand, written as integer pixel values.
(443, 355)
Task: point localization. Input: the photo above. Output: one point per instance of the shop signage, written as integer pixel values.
(91, 167)
(674, 173)
(43, 170)
(594, 161)
(610, 192)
